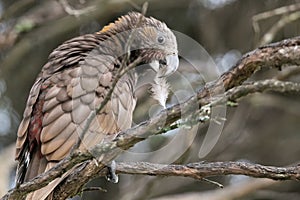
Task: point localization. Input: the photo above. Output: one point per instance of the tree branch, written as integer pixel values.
(262, 86)
(207, 169)
(276, 55)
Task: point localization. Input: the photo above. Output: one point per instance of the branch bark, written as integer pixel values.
(276, 55)
(207, 169)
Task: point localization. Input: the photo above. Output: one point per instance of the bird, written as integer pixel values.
(76, 79)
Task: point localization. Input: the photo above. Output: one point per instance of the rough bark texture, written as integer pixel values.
(207, 169)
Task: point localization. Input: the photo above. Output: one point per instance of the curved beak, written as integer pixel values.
(172, 64)
(167, 66)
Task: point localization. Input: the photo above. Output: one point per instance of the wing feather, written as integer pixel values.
(68, 106)
(80, 113)
(65, 147)
(55, 113)
(50, 146)
(71, 89)
(55, 128)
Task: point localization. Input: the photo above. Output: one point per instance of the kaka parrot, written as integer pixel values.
(74, 82)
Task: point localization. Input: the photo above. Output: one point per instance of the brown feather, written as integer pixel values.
(80, 113)
(68, 106)
(55, 128)
(51, 116)
(49, 145)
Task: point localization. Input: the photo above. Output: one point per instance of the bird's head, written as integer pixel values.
(148, 38)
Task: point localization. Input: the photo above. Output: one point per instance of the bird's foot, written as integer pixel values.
(111, 174)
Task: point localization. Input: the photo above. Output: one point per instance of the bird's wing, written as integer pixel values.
(69, 54)
(68, 104)
(58, 108)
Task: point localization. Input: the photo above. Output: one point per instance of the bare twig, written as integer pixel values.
(271, 33)
(235, 94)
(207, 169)
(268, 14)
(262, 86)
(277, 11)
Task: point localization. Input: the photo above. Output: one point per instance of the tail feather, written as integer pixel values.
(37, 166)
(46, 193)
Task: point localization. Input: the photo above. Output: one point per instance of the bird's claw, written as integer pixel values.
(111, 175)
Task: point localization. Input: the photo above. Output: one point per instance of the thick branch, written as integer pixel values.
(286, 52)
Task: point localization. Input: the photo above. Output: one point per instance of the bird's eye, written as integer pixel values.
(160, 39)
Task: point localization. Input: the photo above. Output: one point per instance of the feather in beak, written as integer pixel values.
(166, 66)
(160, 88)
